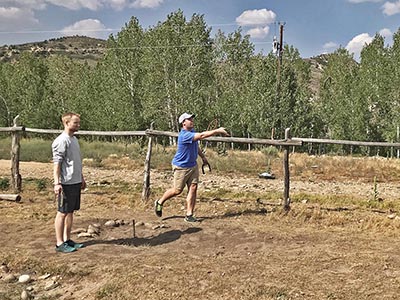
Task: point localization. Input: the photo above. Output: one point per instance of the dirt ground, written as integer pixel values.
(243, 248)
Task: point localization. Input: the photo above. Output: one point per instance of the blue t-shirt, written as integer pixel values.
(186, 154)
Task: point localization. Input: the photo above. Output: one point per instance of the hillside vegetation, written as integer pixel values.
(80, 48)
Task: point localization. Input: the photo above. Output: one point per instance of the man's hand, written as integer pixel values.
(57, 189)
(222, 131)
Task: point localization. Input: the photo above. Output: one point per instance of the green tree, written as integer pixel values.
(340, 113)
(64, 88)
(233, 73)
(5, 101)
(373, 92)
(294, 98)
(120, 77)
(27, 89)
(177, 69)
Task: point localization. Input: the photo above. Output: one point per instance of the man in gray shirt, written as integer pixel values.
(68, 181)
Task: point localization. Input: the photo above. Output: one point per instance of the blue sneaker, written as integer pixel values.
(72, 244)
(191, 219)
(65, 248)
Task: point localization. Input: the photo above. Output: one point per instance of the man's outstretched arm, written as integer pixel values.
(206, 134)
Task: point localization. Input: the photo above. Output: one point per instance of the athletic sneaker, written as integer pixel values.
(71, 243)
(191, 219)
(65, 248)
(158, 208)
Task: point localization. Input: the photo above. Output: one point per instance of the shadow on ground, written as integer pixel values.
(163, 238)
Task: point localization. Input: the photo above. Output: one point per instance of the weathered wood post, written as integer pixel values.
(146, 178)
(286, 199)
(16, 179)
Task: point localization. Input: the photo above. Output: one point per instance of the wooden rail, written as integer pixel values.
(347, 142)
(285, 143)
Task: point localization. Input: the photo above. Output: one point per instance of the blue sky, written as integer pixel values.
(312, 26)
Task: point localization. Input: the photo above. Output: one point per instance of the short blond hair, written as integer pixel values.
(68, 116)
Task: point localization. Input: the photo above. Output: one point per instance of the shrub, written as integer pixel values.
(4, 183)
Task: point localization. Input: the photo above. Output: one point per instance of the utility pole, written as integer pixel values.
(280, 51)
(278, 47)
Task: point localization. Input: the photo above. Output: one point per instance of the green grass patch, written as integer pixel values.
(95, 152)
(4, 184)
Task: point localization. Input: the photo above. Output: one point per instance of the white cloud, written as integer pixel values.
(357, 43)
(69, 4)
(258, 32)
(256, 17)
(93, 5)
(391, 8)
(25, 4)
(10, 18)
(361, 1)
(385, 32)
(330, 46)
(146, 3)
(78, 4)
(118, 4)
(89, 27)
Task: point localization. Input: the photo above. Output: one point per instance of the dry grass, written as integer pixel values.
(344, 168)
(335, 242)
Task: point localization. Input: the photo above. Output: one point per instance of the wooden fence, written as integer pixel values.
(286, 143)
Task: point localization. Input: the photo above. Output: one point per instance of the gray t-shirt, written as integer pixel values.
(67, 153)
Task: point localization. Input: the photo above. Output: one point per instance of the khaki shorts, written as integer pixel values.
(185, 176)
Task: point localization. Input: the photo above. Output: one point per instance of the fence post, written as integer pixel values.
(16, 180)
(286, 199)
(146, 178)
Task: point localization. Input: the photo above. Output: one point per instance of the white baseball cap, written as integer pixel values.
(185, 116)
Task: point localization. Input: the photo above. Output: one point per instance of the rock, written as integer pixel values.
(155, 227)
(4, 268)
(25, 295)
(85, 234)
(97, 225)
(138, 224)
(45, 276)
(110, 223)
(51, 285)
(304, 201)
(24, 278)
(391, 216)
(78, 230)
(120, 222)
(93, 230)
(10, 278)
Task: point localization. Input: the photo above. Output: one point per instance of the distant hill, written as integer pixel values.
(318, 64)
(76, 47)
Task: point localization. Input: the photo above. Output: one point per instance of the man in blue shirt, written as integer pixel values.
(184, 165)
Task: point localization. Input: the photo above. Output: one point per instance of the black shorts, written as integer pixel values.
(70, 198)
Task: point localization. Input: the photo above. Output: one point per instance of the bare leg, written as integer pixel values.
(191, 199)
(59, 225)
(172, 192)
(68, 226)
